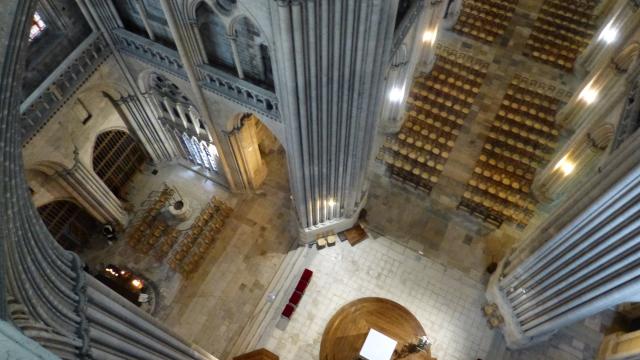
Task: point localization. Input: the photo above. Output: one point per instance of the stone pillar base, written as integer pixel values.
(310, 235)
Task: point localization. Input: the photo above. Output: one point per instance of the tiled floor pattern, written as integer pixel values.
(444, 300)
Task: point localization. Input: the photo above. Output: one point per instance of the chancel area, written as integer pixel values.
(316, 179)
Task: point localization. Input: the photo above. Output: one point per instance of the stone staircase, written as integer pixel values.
(269, 307)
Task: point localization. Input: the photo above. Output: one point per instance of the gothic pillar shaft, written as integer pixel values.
(581, 152)
(330, 58)
(90, 189)
(145, 18)
(193, 75)
(623, 19)
(104, 15)
(145, 129)
(236, 57)
(583, 259)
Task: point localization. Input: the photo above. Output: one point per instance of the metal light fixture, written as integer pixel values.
(396, 94)
(565, 165)
(609, 34)
(429, 36)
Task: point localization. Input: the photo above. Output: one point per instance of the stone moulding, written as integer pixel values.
(241, 92)
(75, 70)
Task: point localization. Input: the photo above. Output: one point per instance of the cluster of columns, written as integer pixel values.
(91, 192)
(595, 108)
(583, 259)
(331, 58)
(49, 282)
(416, 51)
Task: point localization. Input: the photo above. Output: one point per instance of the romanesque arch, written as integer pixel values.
(68, 223)
(116, 158)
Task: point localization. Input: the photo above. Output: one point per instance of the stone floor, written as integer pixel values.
(212, 306)
(428, 226)
(579, 341)
(424, 253)
(445, 301)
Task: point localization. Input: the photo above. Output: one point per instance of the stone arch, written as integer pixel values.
(254, 51)
(68, 222)
(42, 185)
(628, 57)
(215, 41)
(115, 158)
(251, 140)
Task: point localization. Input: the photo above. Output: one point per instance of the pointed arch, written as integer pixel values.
(217, 46)
(253, 51)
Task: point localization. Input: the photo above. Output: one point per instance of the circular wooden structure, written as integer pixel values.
(348, 328)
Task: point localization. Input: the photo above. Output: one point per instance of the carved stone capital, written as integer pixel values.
(287, 3)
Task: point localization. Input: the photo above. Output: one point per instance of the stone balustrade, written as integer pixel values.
(242, 92)
(48, 98)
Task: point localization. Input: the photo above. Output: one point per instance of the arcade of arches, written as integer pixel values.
(473, 162)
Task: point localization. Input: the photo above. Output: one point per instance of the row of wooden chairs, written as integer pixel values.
(484, 20)
(437, 108)
(519, 142)
(569, 13)
(560, 33)
(167, 243)
(194, 246)
(144, 224)
(145, 243)
(491, 209)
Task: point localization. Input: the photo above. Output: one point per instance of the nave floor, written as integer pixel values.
(445, 300)
(211, 307)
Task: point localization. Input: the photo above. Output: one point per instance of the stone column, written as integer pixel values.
(244, 144)
(584, 258)
(180, 31)
(610, 84)
(154, 138)
(624, 18)
(87, 320)
(236, 58)
(92, 192)
(620, 346)
(147, 130)
(145, 18)
(583, 151)
(415, 51)
(330, 61)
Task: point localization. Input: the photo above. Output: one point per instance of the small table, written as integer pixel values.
(377, 346)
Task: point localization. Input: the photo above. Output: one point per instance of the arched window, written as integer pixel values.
(253, 53)
(190, 133)
(132, 19)
(195, 148)
(116, 157)
(212, 153)
(68, 223)
(214, 38)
